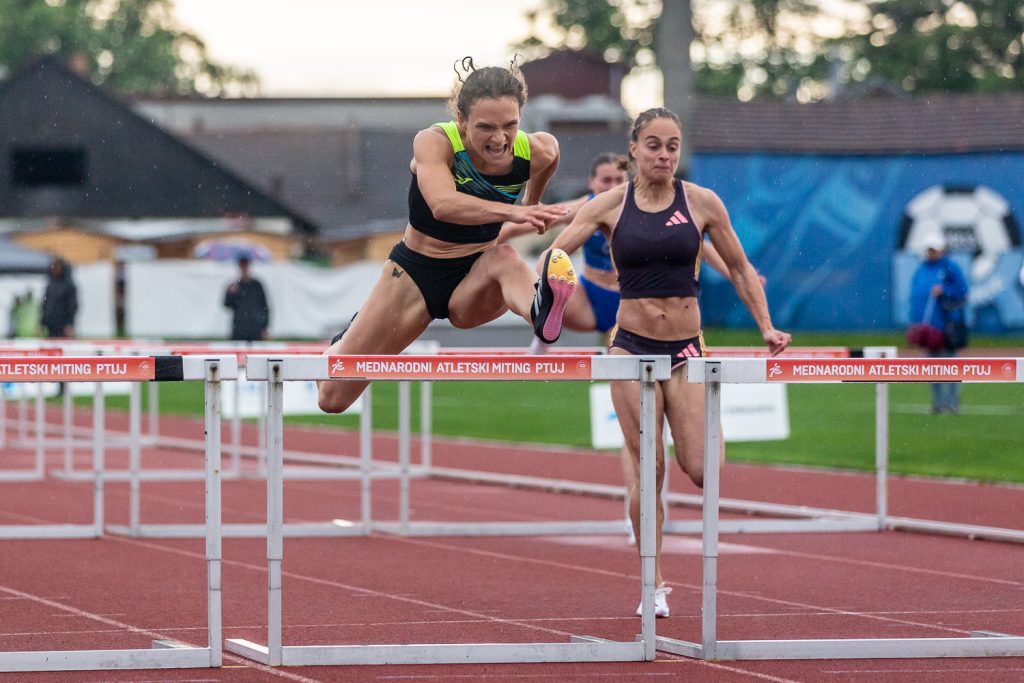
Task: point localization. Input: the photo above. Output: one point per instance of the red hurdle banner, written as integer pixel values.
(866, 370)
(892, 370)
(38, 368)
(459, 368)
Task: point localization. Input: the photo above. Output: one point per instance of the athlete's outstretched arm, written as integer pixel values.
(600, 213)
(432, 160)
(510, 230)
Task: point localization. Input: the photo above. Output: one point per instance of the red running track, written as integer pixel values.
(118, 592)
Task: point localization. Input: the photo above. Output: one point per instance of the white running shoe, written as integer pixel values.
(660, 602)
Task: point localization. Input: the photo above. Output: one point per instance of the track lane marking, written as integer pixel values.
(122, 626)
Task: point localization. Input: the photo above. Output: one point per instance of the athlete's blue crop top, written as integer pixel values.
(657, 255)
(596, 252)
(501, 188)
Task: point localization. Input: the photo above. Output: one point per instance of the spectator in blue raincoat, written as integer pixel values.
(938, 294)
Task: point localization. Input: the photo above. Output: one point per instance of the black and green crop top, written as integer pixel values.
(497, 188)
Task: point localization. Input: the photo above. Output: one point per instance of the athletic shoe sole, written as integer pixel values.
(555, 288)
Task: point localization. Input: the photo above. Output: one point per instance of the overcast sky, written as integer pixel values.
(348, 48)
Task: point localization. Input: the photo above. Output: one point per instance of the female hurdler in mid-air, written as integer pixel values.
(467, 176)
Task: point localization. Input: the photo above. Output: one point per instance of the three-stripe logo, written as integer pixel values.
(677, 219)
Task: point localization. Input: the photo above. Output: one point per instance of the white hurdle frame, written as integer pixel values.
(365, 469)
(406, 526)
(580, 648)
(162, 655)
(713, 373)
(781, 518)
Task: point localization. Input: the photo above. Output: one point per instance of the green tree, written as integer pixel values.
(131, 46)
(773, 48)
(618, 29)
(939, 45)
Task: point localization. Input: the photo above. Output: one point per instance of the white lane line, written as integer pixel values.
(122, 626)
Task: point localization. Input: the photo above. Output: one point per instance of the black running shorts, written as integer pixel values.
(639, 345)
(436, 278)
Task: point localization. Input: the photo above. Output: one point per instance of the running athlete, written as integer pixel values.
(593, 306)
(656, 226)
(467, 176)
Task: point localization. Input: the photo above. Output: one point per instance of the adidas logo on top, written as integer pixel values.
(677, 219)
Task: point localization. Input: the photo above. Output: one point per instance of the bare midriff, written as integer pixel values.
(668, 319)
(435, 248)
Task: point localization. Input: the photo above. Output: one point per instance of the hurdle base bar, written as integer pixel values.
(21, 476)
(125, 475)
(580, 650)
(800, 518)
(582, 528)
(849, 648)
(101, 660)
(296, 472)
(970, 531)
(239, 530)
(813, 525)
(48, 531)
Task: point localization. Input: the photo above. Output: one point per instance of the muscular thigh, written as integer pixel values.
(478, 299)
(392, 317)
(684, 410)
(626, 399)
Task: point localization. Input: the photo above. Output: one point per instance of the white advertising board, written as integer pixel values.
(750, 412)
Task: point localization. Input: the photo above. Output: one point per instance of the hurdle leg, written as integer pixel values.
(262, 430)
(366, 459)
(154, 411)
(22, 413)
(426, 425)
(275, 509)
(712, 447)
(648, 540)
(236, 430)
(40, 470)
(69, 440)
(403, 456)
(3, 416)
(214, 528)
(99, 447)
(881, 454)
(881, 439)
(134, 459)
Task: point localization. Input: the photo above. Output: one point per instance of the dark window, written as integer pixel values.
(41, 167)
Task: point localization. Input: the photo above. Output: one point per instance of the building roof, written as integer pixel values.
(352, 178)
(936, 123)
(117, 163)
